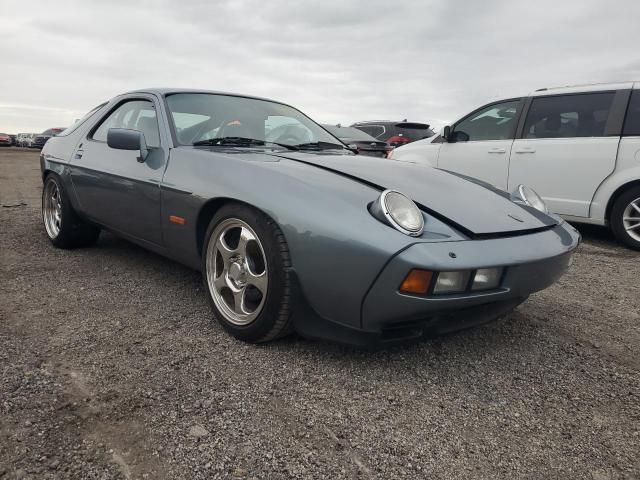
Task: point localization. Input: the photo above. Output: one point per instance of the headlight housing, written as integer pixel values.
(528, 196)
(398, 211)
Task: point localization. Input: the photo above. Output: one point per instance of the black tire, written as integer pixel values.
(616, 221)
(274, 320)
(73, 231)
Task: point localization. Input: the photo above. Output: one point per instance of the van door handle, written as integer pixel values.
(79, 154)
(526, 150)
(497, 150)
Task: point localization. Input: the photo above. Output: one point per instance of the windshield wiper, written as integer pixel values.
(320, 146)
(240, 141)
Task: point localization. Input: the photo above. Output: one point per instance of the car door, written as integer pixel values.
(567, 147)
(479, 145)
(113, 186)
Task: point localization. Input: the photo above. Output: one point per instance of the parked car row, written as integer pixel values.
(25, 139)
(41, 139)
(28, 140)
(579, 147)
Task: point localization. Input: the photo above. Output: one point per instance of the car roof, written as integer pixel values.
(593, 87)
(399, 123)
(171, 91)
(366, 122)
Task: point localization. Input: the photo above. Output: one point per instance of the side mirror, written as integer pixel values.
(125, 139)
(445, 133)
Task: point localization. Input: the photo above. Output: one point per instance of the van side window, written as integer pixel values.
(568, 116)
(632, 121)
(495, 122)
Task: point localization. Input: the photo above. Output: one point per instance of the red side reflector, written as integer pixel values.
(176, 219)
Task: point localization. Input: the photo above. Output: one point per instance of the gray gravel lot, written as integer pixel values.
(112, 368)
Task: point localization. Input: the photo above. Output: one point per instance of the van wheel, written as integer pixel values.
(625, 218)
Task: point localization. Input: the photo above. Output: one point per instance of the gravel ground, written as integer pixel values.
(112, 368)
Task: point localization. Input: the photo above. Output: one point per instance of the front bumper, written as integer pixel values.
(532, 262)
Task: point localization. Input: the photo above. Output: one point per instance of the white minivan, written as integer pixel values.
(578, 147)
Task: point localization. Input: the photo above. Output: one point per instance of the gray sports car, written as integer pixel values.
(290, 229)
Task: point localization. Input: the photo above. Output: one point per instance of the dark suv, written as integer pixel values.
(41, 139)
(395, 134)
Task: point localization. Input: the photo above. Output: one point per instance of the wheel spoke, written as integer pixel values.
(245, 237)
(632, 227)
(635, 207)
(225, 251)
(220, 282)
(258, 281)
(631, 219)
(238, 301)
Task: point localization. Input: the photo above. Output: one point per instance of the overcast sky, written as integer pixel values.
(338, 61)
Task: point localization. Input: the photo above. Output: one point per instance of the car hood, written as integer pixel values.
(469, 206)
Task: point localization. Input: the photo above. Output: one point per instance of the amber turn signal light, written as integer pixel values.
(416, 281)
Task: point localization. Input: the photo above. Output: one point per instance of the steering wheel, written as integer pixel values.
(287, 139)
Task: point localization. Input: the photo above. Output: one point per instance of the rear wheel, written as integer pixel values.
(246, 269)
(62, 224)
(625, 218)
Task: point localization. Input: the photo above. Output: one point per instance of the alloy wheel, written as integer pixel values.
(236, 270)
(631, 219)
(52, 209)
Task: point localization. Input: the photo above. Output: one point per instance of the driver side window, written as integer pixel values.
(495, 122)
(134, 115)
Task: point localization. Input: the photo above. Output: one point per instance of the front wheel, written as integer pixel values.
(63, 226)
(246, 265)
(625, 218)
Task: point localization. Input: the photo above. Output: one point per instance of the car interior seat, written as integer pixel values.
(149, 126)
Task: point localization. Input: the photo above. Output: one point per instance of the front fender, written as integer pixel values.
(337, 247)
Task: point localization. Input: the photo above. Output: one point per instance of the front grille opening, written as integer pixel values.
(404, 331)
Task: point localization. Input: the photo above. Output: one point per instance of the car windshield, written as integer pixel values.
(349, 133)
(205, 118)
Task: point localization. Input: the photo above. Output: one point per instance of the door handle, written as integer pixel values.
(79, 154)
(497, 150)
(526, 150)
